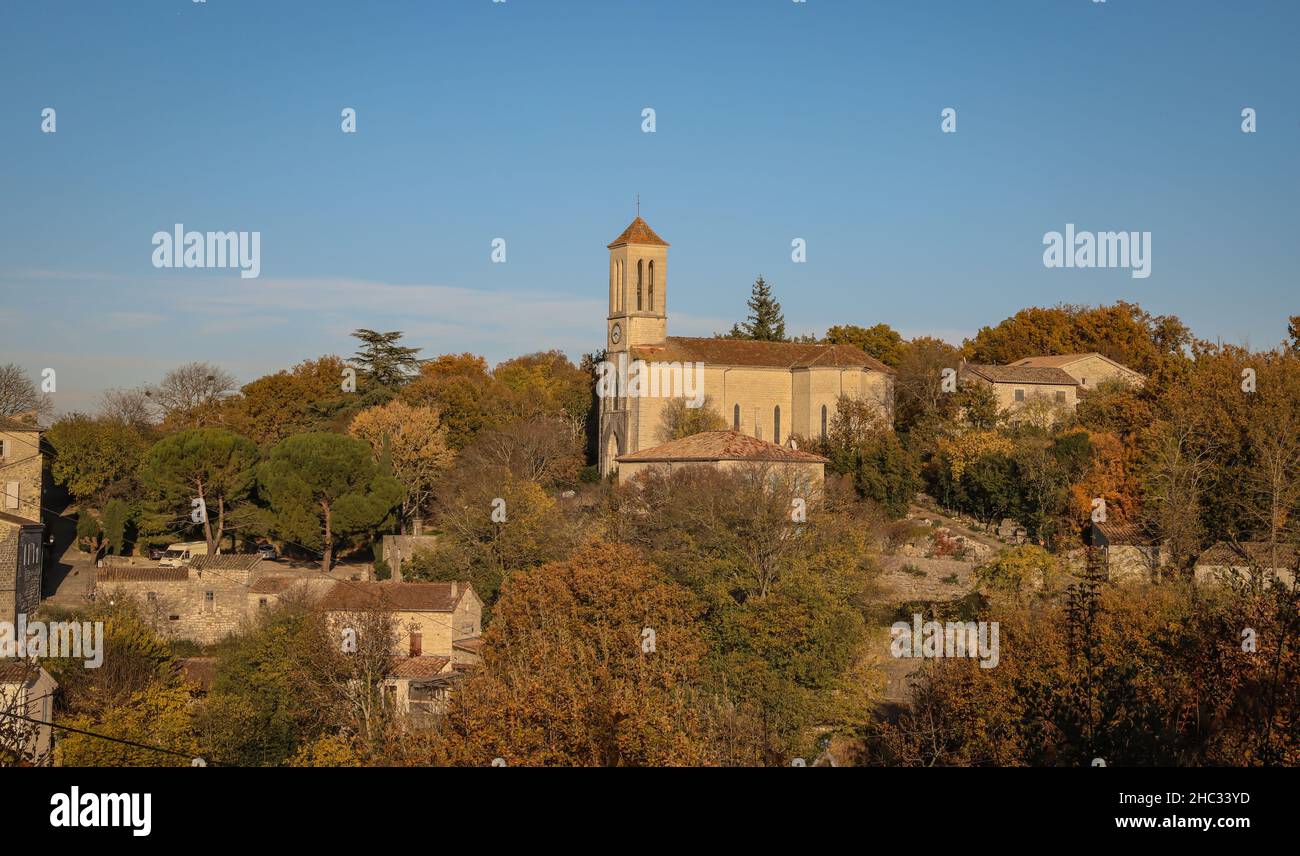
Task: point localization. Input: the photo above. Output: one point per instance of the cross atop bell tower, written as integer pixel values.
(638, 275)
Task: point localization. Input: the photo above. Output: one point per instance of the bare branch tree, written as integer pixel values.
(541, 449)
(20, 396)
(187, 389)
(350, 658)
(134, 407)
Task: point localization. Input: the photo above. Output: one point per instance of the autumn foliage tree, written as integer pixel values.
(415, 443)
(590, 661)
(95, 458)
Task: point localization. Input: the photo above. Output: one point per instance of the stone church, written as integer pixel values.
(768, 390)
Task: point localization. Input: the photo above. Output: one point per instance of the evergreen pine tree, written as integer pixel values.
(766, 323)
(383, 360)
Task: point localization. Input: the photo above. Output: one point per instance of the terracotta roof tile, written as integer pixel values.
(747, 352)
(14, 670)
(226, 562)
(408, 597)
(142, 575)
(1023, 374)
(13, 426)
(721, 446)
(472, 644)
(275, 585)
(419, 668)
(1259, 553)
(637, 232)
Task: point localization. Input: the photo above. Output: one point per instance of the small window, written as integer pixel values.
(173, 618)
(416, 644)
(640, 266)
(651, 307)
(823, 422)
(261, 603)
(1020, 395)
(209, 601)
(1084, 381)
(4, 449)
(152, 596)
(1060, 397)
(776, 424)
(735, 418)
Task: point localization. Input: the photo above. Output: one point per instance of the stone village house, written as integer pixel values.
(215, 596)
(1059, 379)
(1227, 563)
(1014, 387)
(1088, 369)
(440, 626)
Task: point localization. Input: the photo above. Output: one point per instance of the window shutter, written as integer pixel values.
(415, 644)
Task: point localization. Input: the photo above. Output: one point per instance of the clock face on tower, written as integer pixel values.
(616, 333)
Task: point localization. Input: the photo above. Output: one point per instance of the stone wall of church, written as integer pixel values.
(758, 391)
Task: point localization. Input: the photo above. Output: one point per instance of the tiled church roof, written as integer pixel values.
(746, 352)
(638, 232)
(721, 446)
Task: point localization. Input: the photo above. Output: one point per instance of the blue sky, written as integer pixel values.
(522, 120)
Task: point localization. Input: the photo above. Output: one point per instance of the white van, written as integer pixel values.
(178, 555)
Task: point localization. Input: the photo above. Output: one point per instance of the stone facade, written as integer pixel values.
(22, 550)
(1248, 563)
(730, 451)
(1016, 387)
(768, 390)
(1088, 369)
(432, 617)
(21, 470)
(204, 602)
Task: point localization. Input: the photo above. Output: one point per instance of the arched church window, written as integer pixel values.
(823, 422)
(622, 286)
(735, 418)
(652, 286)
(776, 424)
(639, 270)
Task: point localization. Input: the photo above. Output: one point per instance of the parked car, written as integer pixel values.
(267, 551)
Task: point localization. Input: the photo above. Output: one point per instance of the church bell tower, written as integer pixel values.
(638, 274)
